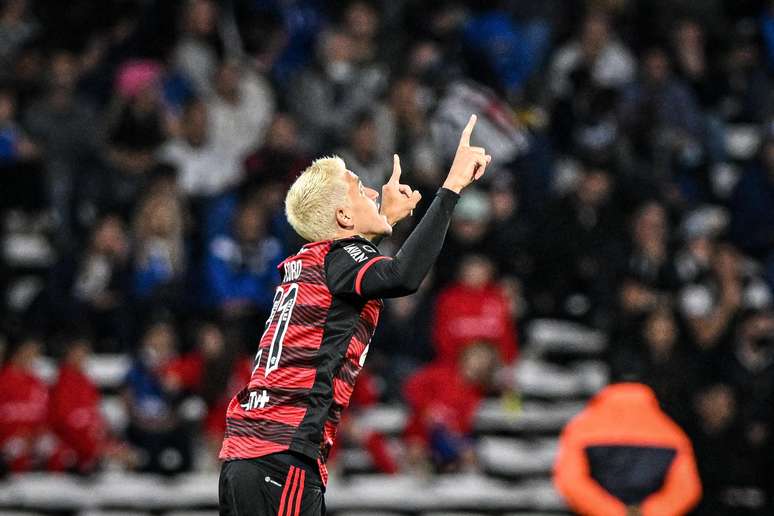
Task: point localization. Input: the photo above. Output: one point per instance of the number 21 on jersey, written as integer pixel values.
(281, 311)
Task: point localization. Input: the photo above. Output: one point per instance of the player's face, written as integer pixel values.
(364, 209)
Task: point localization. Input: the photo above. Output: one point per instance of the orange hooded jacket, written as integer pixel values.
(623, 451)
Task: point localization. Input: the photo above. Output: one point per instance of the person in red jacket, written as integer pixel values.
(623, 456)
(443, 398)
(74, 412)
(213, 372)
(473, 308)
(24, 443)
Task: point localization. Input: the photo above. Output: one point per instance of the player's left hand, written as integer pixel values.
(398, 200)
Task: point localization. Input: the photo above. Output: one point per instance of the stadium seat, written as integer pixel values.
(552, 335)
(113, 513)
(545, 380)
(367, 513)
(534, 416)
(107, 371)
(191, 513)
(385, 419)
(511, 457)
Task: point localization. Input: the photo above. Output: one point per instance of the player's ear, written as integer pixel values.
(344, 218)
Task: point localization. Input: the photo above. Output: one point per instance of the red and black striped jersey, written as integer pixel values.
(312, 349)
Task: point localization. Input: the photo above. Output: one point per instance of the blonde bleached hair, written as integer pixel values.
(311, 202)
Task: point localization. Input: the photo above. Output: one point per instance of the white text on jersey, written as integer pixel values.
(256, 401)
(356, 253)
(292, 270)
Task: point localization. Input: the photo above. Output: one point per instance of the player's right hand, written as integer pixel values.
(469, 162)
(398, 199)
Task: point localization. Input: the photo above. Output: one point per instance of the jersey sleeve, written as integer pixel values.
(346, 265)
(355, 266)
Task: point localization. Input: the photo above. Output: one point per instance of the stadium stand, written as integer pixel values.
(624, 231)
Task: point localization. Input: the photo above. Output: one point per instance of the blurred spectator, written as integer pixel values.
(648, 276)
(752, 205)
(402, 120)
(327, 97)
(24, 443)
(14, 144)
(159, 249)
(155, 427)
(655, 17)
(587, 124)
(17, 27)
(657, 357)
(283, 35)
(362, 153)
(747, 92)
(584, 80)
(501, 48)
(751, 369)
(690, 49)
(473, 308)
(197, 51)
(136, 130)
(241, 266)
(649, 257)
(443, 398)
(216, 372)
(581, 250)
(362, 25)
(733, 464)
(430, 61)
(403, 127)
(93, 286)
(467, 234)
(661, 115)
(207, 166)
(64, 126)
(700, 234)
(29, 74)
(508, 240)
(623, 455)
(240, 110)
(281, 157)
(17, 155)
(742, 472)
(74, 411)
(596, 56)
(713, 302)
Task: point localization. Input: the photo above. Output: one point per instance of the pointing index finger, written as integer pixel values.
(395, 177)
(465, 138)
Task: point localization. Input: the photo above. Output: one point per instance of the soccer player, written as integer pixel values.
(281, 426)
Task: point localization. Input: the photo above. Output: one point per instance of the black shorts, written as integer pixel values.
(267, 487)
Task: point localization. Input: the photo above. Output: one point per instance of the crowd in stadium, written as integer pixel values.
(149, 145)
